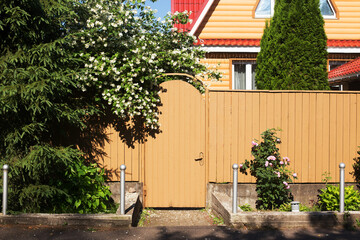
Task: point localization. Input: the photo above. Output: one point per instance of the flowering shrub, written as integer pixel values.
(271, 173)
(127, 50)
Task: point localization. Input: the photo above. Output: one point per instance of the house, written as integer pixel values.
(231, 30)
(346, 76)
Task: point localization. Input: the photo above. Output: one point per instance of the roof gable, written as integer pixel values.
(235, 19)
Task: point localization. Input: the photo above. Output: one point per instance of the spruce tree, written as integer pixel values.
(293, 51)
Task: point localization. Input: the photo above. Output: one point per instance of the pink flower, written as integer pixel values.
(255, 144)
(277, 173)
(285, 183)
(294, 175)
(266, 163)
(271, 158)
(270, 164)
(281, 162)
(287, 187)
(241, 165)
(286, 159)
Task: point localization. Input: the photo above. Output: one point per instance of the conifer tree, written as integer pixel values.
(293, 51)
(68, 70)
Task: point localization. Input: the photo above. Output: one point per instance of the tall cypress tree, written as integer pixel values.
(293, 51)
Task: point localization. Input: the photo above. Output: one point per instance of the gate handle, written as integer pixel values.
(200, 158)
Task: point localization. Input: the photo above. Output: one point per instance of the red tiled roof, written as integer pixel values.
(348, 69)
(343, 43)
(256, 42)
(230, 42)
(195, 6)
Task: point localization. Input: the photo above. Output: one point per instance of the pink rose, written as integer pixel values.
(294, 175)
(286, 159)
(255, 144)
(285, 183)
(270, 164)
(281, 162)
(241, 165)
(271, 158)
(266, 163)
(287, 187)
(277, 173)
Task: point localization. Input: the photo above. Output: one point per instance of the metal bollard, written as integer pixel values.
(235, 183)
(122, 189)
(342, 186)
(5, 188)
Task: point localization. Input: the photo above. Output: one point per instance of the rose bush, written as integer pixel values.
(273, 178)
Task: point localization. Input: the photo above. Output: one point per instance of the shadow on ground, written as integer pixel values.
(194, 232)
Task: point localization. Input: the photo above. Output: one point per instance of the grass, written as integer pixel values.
(216, 220)
(144, 214)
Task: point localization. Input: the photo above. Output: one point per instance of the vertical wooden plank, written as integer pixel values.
(116, 158)
(177, 120)
(202, 147)
(312, 137)
(298, 137)
(220, 138)
(248, 124)
(284, 105)
(326, 126)
(292, 133)
(206, 128)
(227, 136)
(270, 114)
(277, 118)
(107, 157)
(318, 144)
(182, 145)
(256, 119)
(353, 129)
(346, 158)
(136, 162)
(277, 112)
(305, 164)
(213, 105)
(340, 134)
(263, 112)
(128, 159)
(333, 136)
(235, 128)
(168, 181)
(241, 132)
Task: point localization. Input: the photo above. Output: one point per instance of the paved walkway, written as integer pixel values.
(157, 217)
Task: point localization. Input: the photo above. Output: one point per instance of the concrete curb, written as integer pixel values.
(90, 220)
(278, 220)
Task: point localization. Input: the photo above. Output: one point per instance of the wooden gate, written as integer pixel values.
(175, 159)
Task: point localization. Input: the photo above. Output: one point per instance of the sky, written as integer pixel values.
(163, 7)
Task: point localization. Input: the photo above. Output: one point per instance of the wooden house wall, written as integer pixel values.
(234, 19)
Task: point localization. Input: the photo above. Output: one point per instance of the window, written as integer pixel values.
(265, 9)
(243, 74)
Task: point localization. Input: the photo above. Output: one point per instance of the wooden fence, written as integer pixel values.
(319, 130)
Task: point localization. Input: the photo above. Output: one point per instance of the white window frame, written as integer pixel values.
(248, 74)
(273, 6)
(332, 9)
